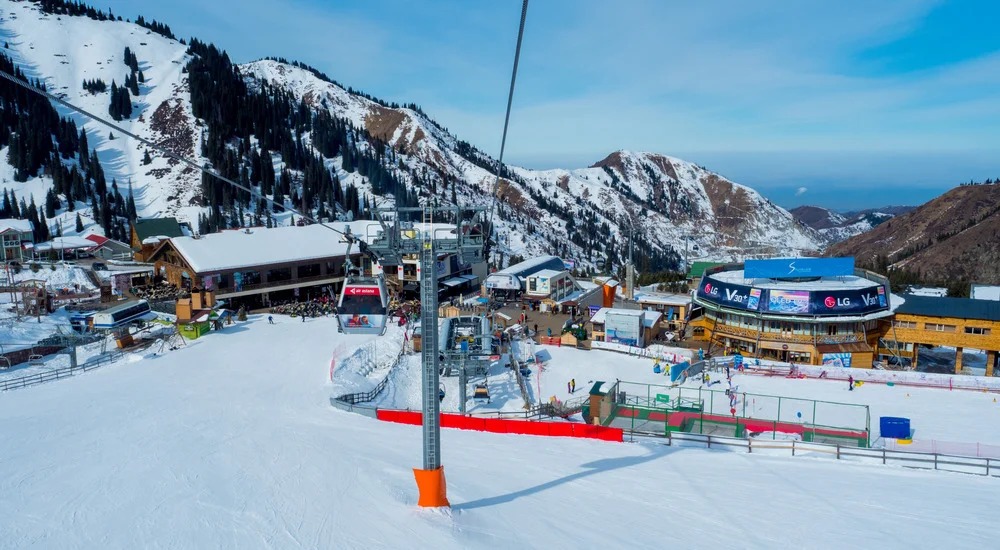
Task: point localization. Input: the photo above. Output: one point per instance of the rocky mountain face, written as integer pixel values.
(955, 236)
(836, 227)
(300, 138)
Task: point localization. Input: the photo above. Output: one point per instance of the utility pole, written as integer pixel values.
(630, 270)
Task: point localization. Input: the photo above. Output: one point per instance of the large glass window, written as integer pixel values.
(310, 270)
(280, 274)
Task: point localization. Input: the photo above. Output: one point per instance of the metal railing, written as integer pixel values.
(56, 374)
(927, 461)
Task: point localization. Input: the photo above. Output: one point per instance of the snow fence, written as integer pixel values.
(497, 425)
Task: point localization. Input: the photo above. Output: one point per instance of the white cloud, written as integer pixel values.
(800, 191)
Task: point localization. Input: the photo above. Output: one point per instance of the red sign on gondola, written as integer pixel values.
(362, 291)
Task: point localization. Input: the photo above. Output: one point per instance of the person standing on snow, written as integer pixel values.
(850, 381)
(270, 320)
(572, 385)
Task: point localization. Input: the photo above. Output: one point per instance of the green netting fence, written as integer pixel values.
(656, 409)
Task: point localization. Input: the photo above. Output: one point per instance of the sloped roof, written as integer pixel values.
(22, 226)
(154, 227)
(960, 308)
(698, 268)
(97, 239)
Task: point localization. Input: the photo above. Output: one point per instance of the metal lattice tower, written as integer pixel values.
(398, 239)
(429, 344)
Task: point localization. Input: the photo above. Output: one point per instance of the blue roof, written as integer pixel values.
(961, 308)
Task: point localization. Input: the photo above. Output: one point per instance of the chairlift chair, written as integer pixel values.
(481, 392)
(35, 358)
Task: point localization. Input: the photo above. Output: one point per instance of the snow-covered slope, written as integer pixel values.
(585, 214)
(836, 227)
(230, 442)
(63, 51)
(664, 197)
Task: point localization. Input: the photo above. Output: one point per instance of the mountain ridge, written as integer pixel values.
(395, 153)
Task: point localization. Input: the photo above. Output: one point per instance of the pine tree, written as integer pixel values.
(146, 159)
(79, 223)
(111, 136)
(15, 210)
(142, 77)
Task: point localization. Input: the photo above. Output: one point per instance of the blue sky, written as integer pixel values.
(844, 104)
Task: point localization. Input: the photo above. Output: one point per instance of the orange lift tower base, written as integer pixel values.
(432, 487)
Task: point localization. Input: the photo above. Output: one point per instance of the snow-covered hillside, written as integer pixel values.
(835, 227)
(584, 214)
(63, 51)
(664, 197)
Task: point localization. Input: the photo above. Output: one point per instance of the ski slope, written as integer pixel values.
(231, 442)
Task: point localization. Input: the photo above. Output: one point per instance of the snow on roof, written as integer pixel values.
(606, 281)
(546, 273)
(823, 283)
(21, 226)
(531, 264)
(938, 292)
(667, 299)
(64, 243)
(259, 246)
(985, 292)
(602, 313)
(263, 246)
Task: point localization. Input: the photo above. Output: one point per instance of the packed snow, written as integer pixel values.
(231, 442)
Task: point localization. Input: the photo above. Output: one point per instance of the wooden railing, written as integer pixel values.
(754, 334)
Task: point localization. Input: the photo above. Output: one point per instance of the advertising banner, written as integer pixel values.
(848, 302)
(789, 268)
(837, 360)
(728, 294)
(788, 301)
(622, 329)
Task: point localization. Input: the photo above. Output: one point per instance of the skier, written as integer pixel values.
(572, 383)
(850, 381)
(303, 317)
(727, 372)
(569, 387)
(270, 320)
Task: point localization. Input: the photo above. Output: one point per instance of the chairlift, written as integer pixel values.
(363, 306)
(4, 362)
(35, 358)
(481, 392)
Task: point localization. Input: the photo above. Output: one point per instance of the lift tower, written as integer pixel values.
(396, 239)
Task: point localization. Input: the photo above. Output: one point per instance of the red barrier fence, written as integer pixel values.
(502, 426)
(550, 341)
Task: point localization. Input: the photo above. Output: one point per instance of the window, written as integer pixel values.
(936, 327)
(280, 274)
(335, 269)
(977, 330)
(308, 270)
(904, 324)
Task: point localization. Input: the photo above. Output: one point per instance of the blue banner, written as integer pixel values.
(848, 302)
(729, 294)
(790, 268)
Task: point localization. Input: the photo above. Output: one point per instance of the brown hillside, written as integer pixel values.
(955, 236)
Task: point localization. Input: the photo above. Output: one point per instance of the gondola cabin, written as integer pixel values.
(363, 306)
(123, 315)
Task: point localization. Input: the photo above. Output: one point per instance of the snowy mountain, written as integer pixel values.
(836, 227)
(305, 124)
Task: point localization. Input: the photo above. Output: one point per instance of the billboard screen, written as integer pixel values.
(788, 301)
(729, 294)
(622, 329)
(788, 268)
(848, 302)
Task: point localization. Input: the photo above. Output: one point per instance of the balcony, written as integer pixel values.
(754, 334)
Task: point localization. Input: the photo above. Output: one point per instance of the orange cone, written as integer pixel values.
(432, 487)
